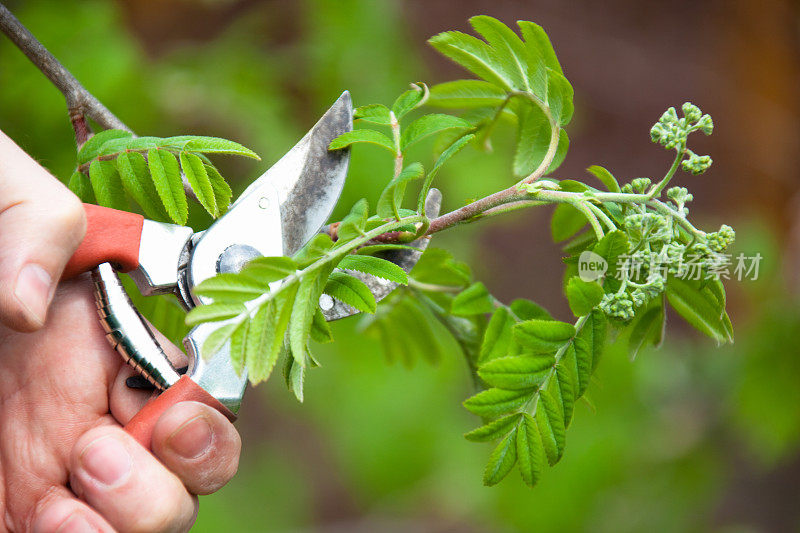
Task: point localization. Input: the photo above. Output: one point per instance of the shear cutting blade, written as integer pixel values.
(287, 204)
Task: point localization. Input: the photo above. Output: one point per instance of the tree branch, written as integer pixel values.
(80, 102)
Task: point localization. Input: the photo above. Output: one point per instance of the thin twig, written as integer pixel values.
(80, 102)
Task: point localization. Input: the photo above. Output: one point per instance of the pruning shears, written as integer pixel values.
(276, 215)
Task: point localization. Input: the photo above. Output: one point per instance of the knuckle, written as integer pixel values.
(172, 511)
(69, 215)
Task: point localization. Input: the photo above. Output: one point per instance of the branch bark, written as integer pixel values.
(80, 102)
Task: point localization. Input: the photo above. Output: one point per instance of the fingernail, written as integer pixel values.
(33, 290)
(107, 461)
(192, 439)
(75, 524)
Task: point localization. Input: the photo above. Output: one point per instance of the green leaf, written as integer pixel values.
(376, 248)
(449, 152)
(493, 430)
(646, 329)
(257, 354)
(474, 55)
(265, 343)
(566, 222)
(530, 452)
(314, 249)
(320, 329)
(216, 340)
(352, 225)
(295, 375)
(362, 136)
(167, 179)
(474, 300)
(551, 427)
(589, 344)
(508, 48)
(606, 177)
(501, 461)
(495, 402)
(516, 372)
(375, 266)
(527, 310)
(700, 307)
(107, 185)
(238, 346)
(213, 312)
(196, 175)
(409, 100)
(305, 303)
(533, 140)
(375, 113)
(427, 125)
(80, 185)
(564, 387)
(538, 45)
(610, 247)
(466, 94)
(437, 266)
(392, 196)
(409, 330)
(543, 336)
(91, 148)
(498, 336)
(350, 291)
(210, 145)
(136, 180)
(559, 98)
(583, 296)
(269, 269)
(231, 288)
(124, 144)
(222, 191)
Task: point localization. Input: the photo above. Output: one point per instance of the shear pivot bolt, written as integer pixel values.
(235, 258)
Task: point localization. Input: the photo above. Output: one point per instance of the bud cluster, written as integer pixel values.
(671, 132)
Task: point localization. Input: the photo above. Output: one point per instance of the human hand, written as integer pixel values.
(41, 225)
(66, 464)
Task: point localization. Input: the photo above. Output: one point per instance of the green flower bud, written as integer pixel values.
(696, 164)
(670, 116)
(691, 112)
(638, 297)
(679, 195)
(617, 306)
(640, 185)
(720, 240)
(706, 124)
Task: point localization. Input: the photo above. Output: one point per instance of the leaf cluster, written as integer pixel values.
(272, 307)
(114, 165)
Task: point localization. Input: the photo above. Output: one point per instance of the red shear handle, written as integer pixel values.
(111, 237)
(141, 426)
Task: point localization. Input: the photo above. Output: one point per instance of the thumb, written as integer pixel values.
(41, 225)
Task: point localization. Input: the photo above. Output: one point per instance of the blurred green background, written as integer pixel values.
(685, 438)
